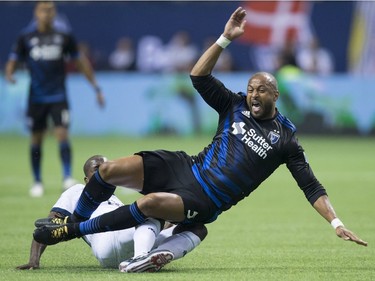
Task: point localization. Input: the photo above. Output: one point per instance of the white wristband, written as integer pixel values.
(336, 223)
(223, 42)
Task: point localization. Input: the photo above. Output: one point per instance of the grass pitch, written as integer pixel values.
(272, 235)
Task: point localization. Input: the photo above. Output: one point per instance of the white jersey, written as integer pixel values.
(109, 248)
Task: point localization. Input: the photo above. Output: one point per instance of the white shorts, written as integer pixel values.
(109, 248)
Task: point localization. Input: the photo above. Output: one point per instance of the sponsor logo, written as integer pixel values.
(46, 52)
(238, 128)
(191, 215)
(256, 142)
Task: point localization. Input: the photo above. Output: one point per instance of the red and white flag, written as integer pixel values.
(272, 23)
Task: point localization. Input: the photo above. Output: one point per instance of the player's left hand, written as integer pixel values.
(235, 26)
(28, 266)
(348, 235)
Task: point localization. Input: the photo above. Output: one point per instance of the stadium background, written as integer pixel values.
(332, 104)
(90, 22)
(274, 234)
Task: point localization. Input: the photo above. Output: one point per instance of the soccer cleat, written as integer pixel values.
(36, 190)
(68, 182)
(53, 234)
(51, 221)
(125, 263)
(151, 262)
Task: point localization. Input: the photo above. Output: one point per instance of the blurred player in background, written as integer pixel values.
(44, 46)
(128, 249)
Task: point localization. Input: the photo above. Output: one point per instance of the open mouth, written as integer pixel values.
(255, 106)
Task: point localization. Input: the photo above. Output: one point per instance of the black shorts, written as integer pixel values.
(38, 115)
(167, 171)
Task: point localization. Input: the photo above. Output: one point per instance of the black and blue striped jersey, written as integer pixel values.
(245, 151)
(45, 55)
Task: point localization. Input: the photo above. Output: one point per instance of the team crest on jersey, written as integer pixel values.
(246, 113)
(274, 137)
(57, 39)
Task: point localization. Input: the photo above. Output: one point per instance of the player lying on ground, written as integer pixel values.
(252, 140)
(129, 248)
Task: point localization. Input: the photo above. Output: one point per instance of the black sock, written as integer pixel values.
(95, 192)
(66, 158)
(124, 217)
(35, 157)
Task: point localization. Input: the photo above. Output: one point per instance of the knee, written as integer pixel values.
(105, 170)
(198, 229)
(165, 206)
(148, 204)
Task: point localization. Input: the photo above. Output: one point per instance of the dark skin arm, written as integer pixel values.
(36, 251)
(84, 66)
(325, 209)
(9, 70)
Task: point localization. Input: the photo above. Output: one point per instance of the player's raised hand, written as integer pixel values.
(348, 235)
(235, 26)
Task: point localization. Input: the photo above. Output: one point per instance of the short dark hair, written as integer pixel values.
(93, 163)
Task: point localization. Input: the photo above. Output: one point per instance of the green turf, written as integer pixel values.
(272, 235)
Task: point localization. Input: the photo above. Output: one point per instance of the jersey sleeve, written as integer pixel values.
(67, 202)
(300, 169)
(213, 91)
(71, 47)
(18, 51)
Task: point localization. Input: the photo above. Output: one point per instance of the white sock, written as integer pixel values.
(180, 244)
(145, 235)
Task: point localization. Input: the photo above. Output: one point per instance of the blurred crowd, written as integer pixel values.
(150, 54)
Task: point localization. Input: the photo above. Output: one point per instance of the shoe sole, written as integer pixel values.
(152, 263)
(46, 221)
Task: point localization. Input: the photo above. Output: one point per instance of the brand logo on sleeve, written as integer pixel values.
(246, 113)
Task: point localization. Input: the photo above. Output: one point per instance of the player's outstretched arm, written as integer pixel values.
(36, 252)
(325, 209)
(348, 235)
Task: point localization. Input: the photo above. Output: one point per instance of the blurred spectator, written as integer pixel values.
(150, 54)
(123, 57)
(287, 55)
(225, 61)
(315, 59)
(181, 54)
